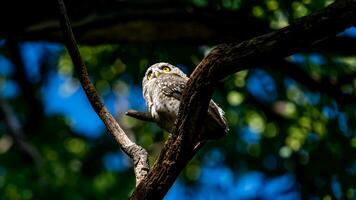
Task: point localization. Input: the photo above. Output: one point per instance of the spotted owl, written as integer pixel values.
(163, 85)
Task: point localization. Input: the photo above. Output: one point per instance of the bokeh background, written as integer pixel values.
(292, 123)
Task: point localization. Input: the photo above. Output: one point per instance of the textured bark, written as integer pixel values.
(137, 153)
(227, 59)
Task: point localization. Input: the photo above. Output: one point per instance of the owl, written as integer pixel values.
(163, 85)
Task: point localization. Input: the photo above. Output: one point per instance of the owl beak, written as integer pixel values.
(157, 73)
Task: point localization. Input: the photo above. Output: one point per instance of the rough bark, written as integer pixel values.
(226, 59)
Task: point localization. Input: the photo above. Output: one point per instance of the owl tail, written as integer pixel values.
(215, 123)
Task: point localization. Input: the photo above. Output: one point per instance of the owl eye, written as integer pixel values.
(149, 75)
(166, 69)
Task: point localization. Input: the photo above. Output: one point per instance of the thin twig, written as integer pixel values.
(136, 152)
(16, 132)
(144, 116)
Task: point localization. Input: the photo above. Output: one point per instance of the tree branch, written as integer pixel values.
(227, 59)
(144, 116)
(16, 132)
(183, 23)
(135, 23)
(137, 153)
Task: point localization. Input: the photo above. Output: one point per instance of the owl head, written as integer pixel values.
(155, 70)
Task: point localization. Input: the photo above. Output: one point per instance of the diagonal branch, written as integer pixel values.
(227, 59)
(137, 153)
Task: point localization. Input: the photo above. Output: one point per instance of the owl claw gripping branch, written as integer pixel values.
(163, 85)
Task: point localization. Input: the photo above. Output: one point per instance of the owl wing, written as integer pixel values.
(174, 86)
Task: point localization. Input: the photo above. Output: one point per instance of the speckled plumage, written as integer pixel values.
(162, 90)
